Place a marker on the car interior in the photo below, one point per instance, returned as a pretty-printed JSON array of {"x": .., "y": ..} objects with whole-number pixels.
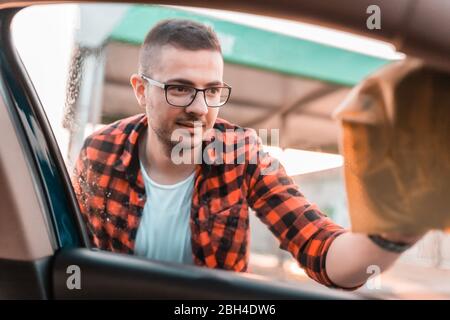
[{"x": 41, "y": 227}]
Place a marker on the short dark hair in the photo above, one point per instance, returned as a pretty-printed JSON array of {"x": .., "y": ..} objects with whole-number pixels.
[{"x": 180, "y": 33}]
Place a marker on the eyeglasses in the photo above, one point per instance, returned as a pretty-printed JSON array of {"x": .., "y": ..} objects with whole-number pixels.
[{"x": 179, "y": 95}]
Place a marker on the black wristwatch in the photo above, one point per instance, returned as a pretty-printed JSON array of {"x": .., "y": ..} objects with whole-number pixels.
[{"x": 397, "y": 247}]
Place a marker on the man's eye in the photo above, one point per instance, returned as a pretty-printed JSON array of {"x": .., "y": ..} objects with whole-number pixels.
[
  {"x": 213, "y": 91},
  {"x": 180, "y": 90}
]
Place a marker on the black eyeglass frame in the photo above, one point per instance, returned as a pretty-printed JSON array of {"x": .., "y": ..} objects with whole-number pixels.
[{"x": 166, "y": 86}]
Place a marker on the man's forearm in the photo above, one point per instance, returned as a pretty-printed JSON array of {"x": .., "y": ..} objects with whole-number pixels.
[{"x": 349, "y": 257}]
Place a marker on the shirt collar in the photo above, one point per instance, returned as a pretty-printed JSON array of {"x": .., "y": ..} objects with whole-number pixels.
[{"x": 131, "y": 134}]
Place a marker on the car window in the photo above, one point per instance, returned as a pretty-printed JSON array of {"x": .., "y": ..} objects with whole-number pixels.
[{"x": 286, "y": 79}]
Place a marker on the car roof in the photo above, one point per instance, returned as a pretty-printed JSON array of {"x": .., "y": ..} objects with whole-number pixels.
[{"x": 419, "y": 28}]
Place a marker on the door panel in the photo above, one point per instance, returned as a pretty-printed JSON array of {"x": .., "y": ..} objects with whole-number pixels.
[
  {"x": 105, "y": 275},
  {"x": 25, "y": 279}
]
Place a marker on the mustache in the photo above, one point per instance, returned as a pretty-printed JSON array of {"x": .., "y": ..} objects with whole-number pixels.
[{"x": 191, "y": 121}]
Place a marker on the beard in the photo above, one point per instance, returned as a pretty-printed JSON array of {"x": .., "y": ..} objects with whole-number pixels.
[
  {"x": 163, "y": 135},
  {"x": 178, "y": 136}
]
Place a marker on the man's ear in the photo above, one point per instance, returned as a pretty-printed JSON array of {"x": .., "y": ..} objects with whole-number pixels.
[{"x": 138, "y": 85}]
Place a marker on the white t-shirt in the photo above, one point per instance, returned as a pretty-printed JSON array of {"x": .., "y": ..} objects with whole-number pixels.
[{"x": 164, "y": 231}]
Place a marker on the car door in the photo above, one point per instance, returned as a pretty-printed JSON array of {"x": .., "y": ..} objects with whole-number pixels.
[{"x": 47, "y": 254}]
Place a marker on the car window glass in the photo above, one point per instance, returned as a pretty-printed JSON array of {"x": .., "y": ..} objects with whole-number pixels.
[{"x": 285, "y": 84}]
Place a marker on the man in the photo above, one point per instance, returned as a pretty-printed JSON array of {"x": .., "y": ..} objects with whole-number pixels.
[{"x": 138, "y": 197}]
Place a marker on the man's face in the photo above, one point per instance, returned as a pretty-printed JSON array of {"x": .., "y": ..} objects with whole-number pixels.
[{"x": 200, "y": 69}]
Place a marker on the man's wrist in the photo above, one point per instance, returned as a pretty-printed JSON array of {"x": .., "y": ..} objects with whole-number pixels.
[{"x": 388, "y": 245}]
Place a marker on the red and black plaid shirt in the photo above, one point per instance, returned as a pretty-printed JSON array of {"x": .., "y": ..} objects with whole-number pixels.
[{"x": 111, "y": 193}]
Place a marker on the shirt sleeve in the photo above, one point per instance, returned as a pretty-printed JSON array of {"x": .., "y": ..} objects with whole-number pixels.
[
  {"x": 84, "y": 190},
  {"x": 300, "y": 226}
]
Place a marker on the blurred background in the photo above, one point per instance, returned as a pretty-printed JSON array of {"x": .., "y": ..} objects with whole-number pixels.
[{"x": 285, "y": 75}]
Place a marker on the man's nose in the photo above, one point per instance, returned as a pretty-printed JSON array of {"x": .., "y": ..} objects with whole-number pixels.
[{"x": 198, "y": 106}]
